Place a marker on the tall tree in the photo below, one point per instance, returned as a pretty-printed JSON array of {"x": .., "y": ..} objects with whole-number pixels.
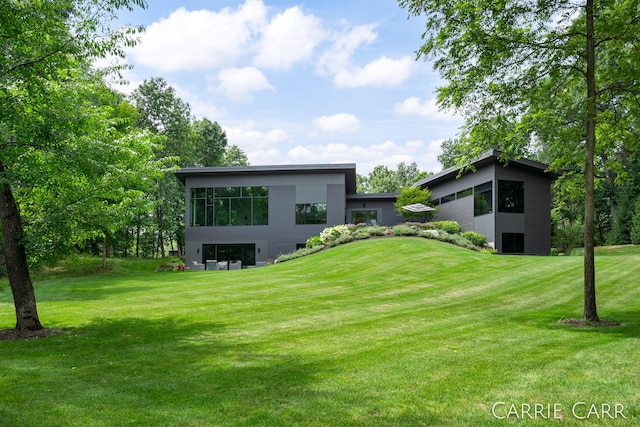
[
  {"x": 163, "y": 113},
  {"x": 210, "y": 143},
  {"x": 502, "y": 60},
  {"x": 234, "y": 156},
  {"x": 43, "y": 112}
]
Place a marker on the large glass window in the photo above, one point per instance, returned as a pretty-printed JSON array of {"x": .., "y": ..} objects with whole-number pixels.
[
  {"x": 231, "y": 253},
  {"x": 511, "y": 196},
  {"x": 198, "y": 207},
  {"x": 369, "y": 217},
  {"x": 512, "y": 243},
  {"x": 223, "y": 206},
  {"x": 311, "y": 213},
  {"x": 483, "y": 199}
]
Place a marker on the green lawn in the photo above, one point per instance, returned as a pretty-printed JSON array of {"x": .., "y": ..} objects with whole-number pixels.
[{"x": 393, "y": 331}]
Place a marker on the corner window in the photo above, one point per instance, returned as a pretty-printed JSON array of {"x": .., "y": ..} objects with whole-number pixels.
[
  {"x": 511, "y": 196},
  {"x": 311, "y": 213},
  {"x": 483, "y": 199}
]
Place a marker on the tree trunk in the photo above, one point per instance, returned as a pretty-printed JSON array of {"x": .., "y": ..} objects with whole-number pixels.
[
  {"x": 16, "y": 258},
  {"x": 105, "y": 252},
  {"x": 590, "y": 312},
  {"x": 137, "y": 241}
]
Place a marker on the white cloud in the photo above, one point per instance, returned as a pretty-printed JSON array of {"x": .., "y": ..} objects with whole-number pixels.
[
  {"x": 366, "y": 157},
  {"x": 238, "y": 83},
  {"x": 338, "y": 56},
  {"x": 381, "y": 72},
  {"x": 200, "y": 108},
  {"x": 251, "y": 140},
  {"x": 340, "y": 122},
  {"x": 415, "y": 107},
  {"x": 289, "y": 38},
  {"x": 200, "y": 40}
]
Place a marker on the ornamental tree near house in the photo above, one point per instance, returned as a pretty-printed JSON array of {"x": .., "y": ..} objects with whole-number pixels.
[
  {"x": 548, "y": 73},
  {"x": 47, "y": 117}
]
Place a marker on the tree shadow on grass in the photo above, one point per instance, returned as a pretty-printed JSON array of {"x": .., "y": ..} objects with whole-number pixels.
[
  {"x": 96, "y": 291},
  {"x": 176, "y": 372},
  {"x": 151, "y": 372}
]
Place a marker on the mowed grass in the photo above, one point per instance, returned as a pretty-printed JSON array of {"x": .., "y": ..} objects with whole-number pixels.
[{"x": 396, "y": 331}]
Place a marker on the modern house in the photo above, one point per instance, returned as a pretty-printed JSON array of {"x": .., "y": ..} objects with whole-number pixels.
[
  {"x": 256, "y": 213},
  {"x": 509, "y": 203}
]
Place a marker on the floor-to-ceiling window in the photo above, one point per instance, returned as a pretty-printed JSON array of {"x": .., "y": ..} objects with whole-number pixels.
[{"x": 229, "y": 206}]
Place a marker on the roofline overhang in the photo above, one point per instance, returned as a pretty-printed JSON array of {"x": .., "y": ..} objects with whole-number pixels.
[
  {"x": 348, "y": 169},
  {"x": 486, "y": 158}
]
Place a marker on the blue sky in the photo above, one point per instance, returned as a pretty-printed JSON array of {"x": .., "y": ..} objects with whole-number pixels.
[{"x": 295, "y": 82}]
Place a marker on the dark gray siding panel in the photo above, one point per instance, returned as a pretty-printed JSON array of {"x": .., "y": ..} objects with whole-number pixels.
[
  {"x": 336, "y": 200},
  {"x": 460, "y": 210},
  {"x": 282, "y": 205},
  {"x": 536, "y": 219}
]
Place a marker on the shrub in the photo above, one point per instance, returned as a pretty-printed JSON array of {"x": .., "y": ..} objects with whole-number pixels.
[
  {"x": 314, "y": 241},
  {"x": 404, "y": 230},
  {"x": 451, "y": 227},
  {"x": 330, "y": 234},
  {"x": 429, "y": 234},
  {"x": 377, "y": 230},
  {"x": 299, "y": 253},
  {"x": 345, "y": 238},
  {"x": 361, "y": 234},
  {"x": 475, "y": 238}
]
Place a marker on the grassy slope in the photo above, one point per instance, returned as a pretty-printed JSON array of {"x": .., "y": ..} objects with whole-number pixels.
[{"x": 401, "y": 331}]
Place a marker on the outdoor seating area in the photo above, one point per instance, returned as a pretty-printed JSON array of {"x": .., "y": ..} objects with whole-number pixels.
[{"x": 212, "y": 265}]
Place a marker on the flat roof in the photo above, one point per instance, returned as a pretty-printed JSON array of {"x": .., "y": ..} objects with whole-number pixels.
[
  {"x": 348, "y": 169},
  {"x": 487, "y": 158}
]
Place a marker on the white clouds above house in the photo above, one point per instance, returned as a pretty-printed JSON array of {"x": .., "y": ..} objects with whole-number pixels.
[{"x": 281, "y": 75}]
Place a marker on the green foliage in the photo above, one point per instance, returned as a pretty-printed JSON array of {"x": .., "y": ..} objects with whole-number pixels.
[
  {"x": 342, "y": 239},
  {"x": 475, "y": 238},
  {"x": 71, "y": 152},
  {"x": 409, "y": 196},
  {"x": 568, "y": 237},
  {"x": 314, "y": 241},
  {"x": 404, "y": 230},
  {"x": 299, "y": 253},
  {"x": 384, "y": 180},
  {"x": 635, "y": 224},
  {"x": 331, "y": 234},
  {"x": 361, "y": 234},
  {"x": 376, "y": 230},
  {"x": 451, "y": 227},
  {"x": 210, "y": 143},
  {"x": 234, "y": 156}
]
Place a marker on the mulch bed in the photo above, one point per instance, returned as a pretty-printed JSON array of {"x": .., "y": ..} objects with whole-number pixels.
[
  {"x": 14, "y": 334},
  {"x": 583, "y": 322}
]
